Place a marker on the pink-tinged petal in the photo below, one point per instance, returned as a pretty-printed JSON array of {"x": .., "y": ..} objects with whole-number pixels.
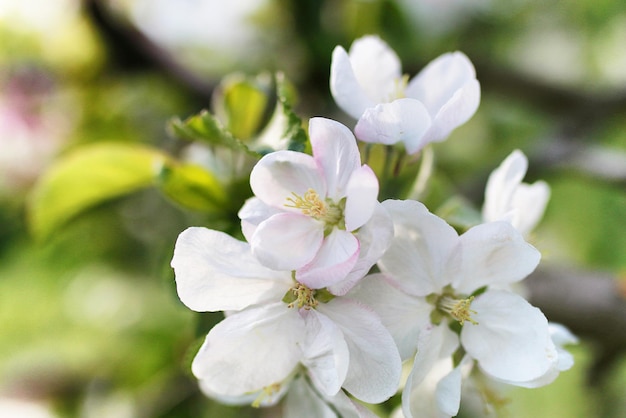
[
  {"x": 511, "y": 341},
  {"x": 375, "y": 365},
  {"x": 494, "y": 253},
  {"x": 325, "y": 352},
  {"x": 278, "y": 175},
  {"x": 501, "y": 186},
  {"x": 334, "y": 260},
  {"x": 336, "y": 153},
  {"x": 344, "y": 86},
  {"x": 422, "y": 250},
  {"x": 374, "y": 239},
  {"x": 402, "y": 314},
  {"x": 376, "y": 67},
  {"x": 361, "y": 197},
  {"x": 433, "y": 362},
  {"x": 250, "y": 350},
  {"x": 529, "y": 203},
  {"x": 287, "y": 241},
  {"x": 252, "y": 213},
  {"x": 437, "y": 83},
  {"x": 403, "y": 120},
  {"x": 215, "y": 272},
  {"x": 458, "y": 110}
]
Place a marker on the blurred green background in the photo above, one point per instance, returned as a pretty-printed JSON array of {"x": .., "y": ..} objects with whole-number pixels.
[{"x": 90, "y": 324}]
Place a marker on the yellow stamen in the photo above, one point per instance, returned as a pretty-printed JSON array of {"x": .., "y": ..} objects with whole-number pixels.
[
  {"x": 459, "y": 309},
  {"x": 304, "y": 297},
  {"x": 399, "y": 88},
  {"x": 310, "y": 204},
  {"x": 265, "y": 393}
]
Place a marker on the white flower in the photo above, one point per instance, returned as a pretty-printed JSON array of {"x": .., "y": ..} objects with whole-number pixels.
[
  {"x": 367, "y": 83},
  {"x": 277, "y": 329},
  {"x": 434, "y": 280},
  {"x": 508, "y": 199},
  {"x": 313, "y": 214}
]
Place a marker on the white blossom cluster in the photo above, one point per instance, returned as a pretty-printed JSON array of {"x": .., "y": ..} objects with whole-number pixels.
[{"x": 333, "y": 290}]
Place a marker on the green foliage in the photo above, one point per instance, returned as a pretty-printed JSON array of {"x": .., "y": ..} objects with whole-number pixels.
[
  {"x": 243, "y": 102},
  {"x": 192, "y": 186},
  {"x": 205, "y": 127},
  {"x": 294, "y": 132},
  {"x": 86, "y": 177}
]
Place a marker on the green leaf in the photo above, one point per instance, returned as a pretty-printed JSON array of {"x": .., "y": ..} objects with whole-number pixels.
[
  {"x": 206, "y": 128},
  {"x": 86, "y": 177},
  {"x": 193, "y": 187},
  {"x": 243, "y": 102},
  {"x": 294, "y": 133}
]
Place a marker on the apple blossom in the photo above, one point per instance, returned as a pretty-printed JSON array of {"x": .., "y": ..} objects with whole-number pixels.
[
  {"x": 434, "y": 281},
  {"x": 312, "y": 214},
  {"x": 507, "y": 198},
  {"x": 367, "y": 83},
  {"x": 277, "y": 329}
]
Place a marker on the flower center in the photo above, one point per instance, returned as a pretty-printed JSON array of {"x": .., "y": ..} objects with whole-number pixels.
[
  {"x": 399, "y": 88},
  {"x": 266, "y": 392},
  {"x": 312, "y": 205},
  {"x": 458, "y": 309},
  {"x": 300, "y": 296}
]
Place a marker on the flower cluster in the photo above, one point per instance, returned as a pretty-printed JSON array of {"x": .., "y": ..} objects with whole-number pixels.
[{"x": 332, "y": 290}]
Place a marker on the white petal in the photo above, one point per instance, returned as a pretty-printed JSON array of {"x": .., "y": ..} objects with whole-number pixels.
[
  {"x": 344, "y": 86},
  {"x": 250, "y": 350},
  {"x": 448, "y": 390},
  {"x": 458, "y": 110},
  {"x": 440, "y": 80},
  {"x": 302, "y": 400},
  {"x": 494, "y": 253},
  {"x": 433, "y": 362},
  {"x": 334, "y": 260},
  {"x": 264, "y": 398},
  {"x": 402, "y": 314},
  {"x": 278, "y": 175},
  {"x": 375, "y": 366},
  {"x": 403, "y": 120},
  {"x": 336, "y": 153},
  {"x": 501, "y": 186},
  {"x": 301, "y": 397},
  {"x": 511, "y": 341},
  {"x": 560, "y": 336},
  {"x": 214, "y": 272},
  {"x": 287, "y": 241},
  {"x": 252, "y": 213},
  {"x": 361, "y": 197},
  {"x": 376, "y": 67},
  {"x": 325, "y": 352},
  {"x": 374, "y": 239},
  {"x": 422, "y": 248},
  {"x": 529, "y": 203}
]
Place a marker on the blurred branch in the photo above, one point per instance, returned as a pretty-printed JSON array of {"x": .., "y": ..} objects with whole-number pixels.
[
  {"x": 131, "y": 50},
  {"x": 591, "y": 304}
]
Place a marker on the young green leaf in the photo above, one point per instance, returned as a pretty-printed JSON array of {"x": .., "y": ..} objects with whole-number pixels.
[
  {"x": 193, "y": 187},
  {"x": 86, "y": 177}
]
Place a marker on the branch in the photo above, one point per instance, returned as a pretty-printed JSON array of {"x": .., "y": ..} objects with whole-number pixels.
[{"x": 130, "y": 50}]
